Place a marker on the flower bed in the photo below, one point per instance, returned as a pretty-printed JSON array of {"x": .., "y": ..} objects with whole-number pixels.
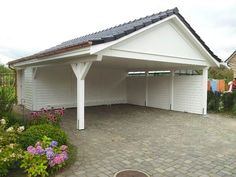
[
  {"x": 42, "y": 149},
  {"x": 51, "y": 116}
]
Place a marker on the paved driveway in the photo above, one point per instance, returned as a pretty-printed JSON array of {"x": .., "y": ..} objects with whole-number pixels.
[{"x": 159, "y": 142}]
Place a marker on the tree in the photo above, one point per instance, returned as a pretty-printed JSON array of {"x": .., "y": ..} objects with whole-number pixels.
[{"x": 221, "y": 73}]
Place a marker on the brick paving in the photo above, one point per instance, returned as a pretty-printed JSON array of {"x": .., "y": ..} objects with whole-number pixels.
[{"x": 159, "y": 142}]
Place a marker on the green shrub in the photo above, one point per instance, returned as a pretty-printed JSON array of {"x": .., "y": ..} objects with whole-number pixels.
[
  {"x": 37, "y": 132},
  {"x": 215, "y": 101},
  {"x": 7, "y": 99},
  {"x": 14, "y": 119},
  {"x": 228, "y": 101}
]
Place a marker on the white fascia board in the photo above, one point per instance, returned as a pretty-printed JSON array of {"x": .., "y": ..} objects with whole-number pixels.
[
  {"x": 196, "y": 41},
  {"x": 79, "y": 52},
  {"x": 95, "y": 49},
  {"x": 153, "y": 57}
]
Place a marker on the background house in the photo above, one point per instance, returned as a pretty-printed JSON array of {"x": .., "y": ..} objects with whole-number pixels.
[{"x": 231, "y": 61}]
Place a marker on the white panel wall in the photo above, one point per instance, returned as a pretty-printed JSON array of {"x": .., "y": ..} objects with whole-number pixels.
[
  {"x": 136, "y": 90},
  {"x": 164, "y": 39},
  {"x": 188, "y": 94},
  {"x": 56, "y": 86},
  {"x": 53, "y": 87},
  {"x": 27, "y": 89},
  {"x": 105, "y": 86},
  {"x": 158, "y": 94}
]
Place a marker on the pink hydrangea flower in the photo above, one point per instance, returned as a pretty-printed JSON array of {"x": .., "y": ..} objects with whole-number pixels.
[
  {"x": 31, "y": 150},
  {"x": 64, "y": 147},
  {"x": 58, "y": 159}
]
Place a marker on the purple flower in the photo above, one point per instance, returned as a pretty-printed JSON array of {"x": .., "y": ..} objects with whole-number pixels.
[
  {"x": 49, "y": 153},
  {"x": 65, "y": 155},
  {"x": 31, "y": 150},
  {"x": 54, "y": 143},
  {"x": 39, "y": 150}
]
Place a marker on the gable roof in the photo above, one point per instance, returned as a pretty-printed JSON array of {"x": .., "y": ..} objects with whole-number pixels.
[
  {"x": 230, "y": 57},
  {"x": 115, "y": 33}
]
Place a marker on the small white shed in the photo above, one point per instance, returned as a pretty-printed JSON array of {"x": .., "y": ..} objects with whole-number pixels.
[{"x": 101, "y": 68}]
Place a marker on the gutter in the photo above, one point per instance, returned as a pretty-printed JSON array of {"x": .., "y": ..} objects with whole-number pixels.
[
  {"x": 225, "y": 65},
  {"x": 43, "y": 54}
]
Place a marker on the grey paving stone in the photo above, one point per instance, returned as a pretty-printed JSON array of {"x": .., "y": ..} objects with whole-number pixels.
[{"x": 160, "y": 142}]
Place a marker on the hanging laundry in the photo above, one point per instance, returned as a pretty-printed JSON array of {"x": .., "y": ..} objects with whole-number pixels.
[
  {"x": 214, "y": 85},
  {"x": 208, "y": 85},
  {"x": 221, "y": 85}
]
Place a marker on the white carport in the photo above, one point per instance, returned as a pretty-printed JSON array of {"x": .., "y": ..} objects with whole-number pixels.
[{"x": 98, "y": 74}]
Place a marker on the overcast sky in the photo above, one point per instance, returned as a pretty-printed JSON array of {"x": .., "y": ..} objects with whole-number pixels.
[{"x": 28, "y": 26}]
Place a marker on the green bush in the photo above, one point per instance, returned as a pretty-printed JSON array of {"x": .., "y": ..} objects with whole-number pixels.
[
  {"x": 228, "y": 101},
  {"x": 217, "y": 101},
  {"x": 7, "y": 99},
  {"x": 214, "y": 101},
  {"x": 14, "y": 119},
  {"x": 37, "y": 132}
]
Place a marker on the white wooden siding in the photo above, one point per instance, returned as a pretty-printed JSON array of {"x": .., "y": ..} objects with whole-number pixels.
[
  {"x": 165, "y": 39},
  {"x": 27, "y": 89},
  {"x": 105, "y": 86},
  {"x": 53, "y": 87},
  {"x": 158, "y": 92},
  {"x": 56, "y": 87},
  {"x": 188, "y": 94},
  {"x": 136, "y": 90}
]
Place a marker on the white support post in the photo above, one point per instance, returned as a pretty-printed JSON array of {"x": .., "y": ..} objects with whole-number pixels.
[
  {"x": 204, "y": 90},
  {"x": 80, "y": 104},
  {"x": 146, "y": 88},
  {"x": 172, "y": 77},
  {"x": 35, "y": 72},
  {"x": 80, "y": 70}
]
